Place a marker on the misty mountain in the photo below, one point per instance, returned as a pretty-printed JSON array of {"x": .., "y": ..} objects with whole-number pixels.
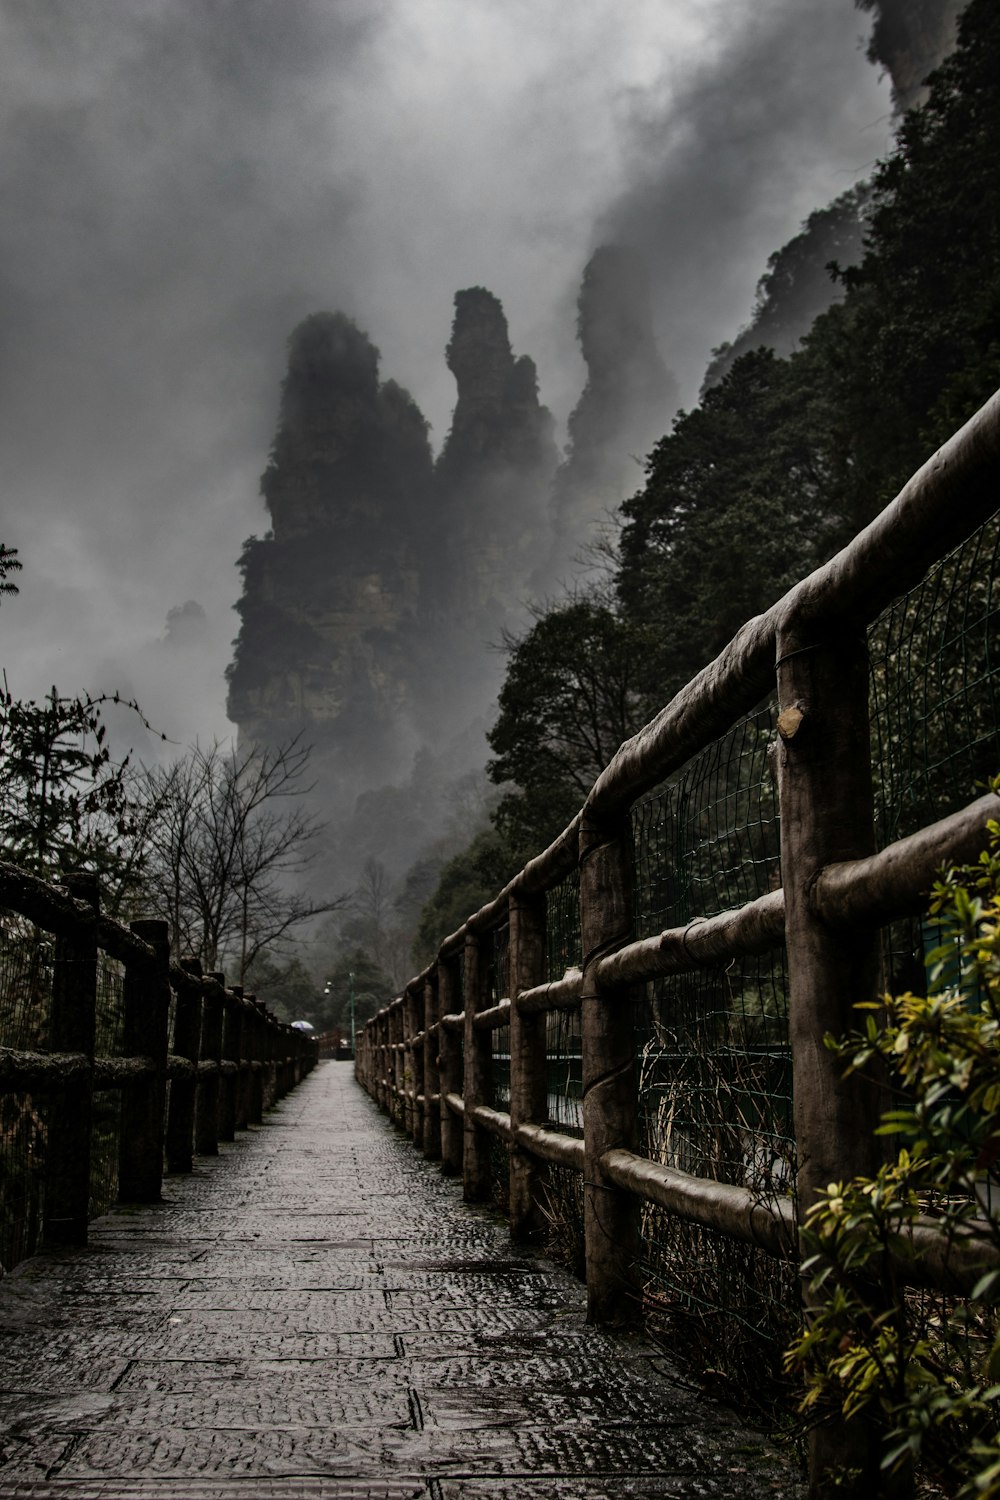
[
  {"x": 627, "y": 403},
  {"x": 909, "y": 39},
  {"x": 797, "y": 285},
  {"x": 331, "y": 593},
  {"x": 496, "y": 464}
]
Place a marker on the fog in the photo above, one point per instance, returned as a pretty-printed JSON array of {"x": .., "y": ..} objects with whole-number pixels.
[{"x": 183, "y": 181}]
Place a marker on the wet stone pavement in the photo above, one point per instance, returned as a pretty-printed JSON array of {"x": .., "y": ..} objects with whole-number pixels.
[{"x": 315, "y": 1313}]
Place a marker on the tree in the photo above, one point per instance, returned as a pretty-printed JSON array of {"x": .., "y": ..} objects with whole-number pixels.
[
  {"x": 226, "y": 848},
  {"x": 736, "y": 506},
  {"x": 287, "y": 988},
  {"x": 466, "y": 883},
  {"x": 9, "y": 563},
  {"x": 568, "y": 701},
  {"x": 64, "y": 799},
  {"x": 355, "y": 982}
]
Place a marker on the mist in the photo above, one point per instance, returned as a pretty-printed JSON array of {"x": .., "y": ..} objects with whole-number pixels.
[{"x": 183, "y": 183}]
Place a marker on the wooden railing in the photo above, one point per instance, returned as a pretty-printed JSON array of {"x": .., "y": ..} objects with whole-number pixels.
[
  {"x": 183, "y": 1088},
  {"x": 810, "y": 650}
]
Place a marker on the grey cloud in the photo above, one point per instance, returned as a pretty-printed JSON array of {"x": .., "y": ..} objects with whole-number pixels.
[
  {"x": 778, "y": 121},
  {"x": 184, "y": 180}
]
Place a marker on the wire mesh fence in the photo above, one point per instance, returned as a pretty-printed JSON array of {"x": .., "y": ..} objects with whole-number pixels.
[
  {"x": 23, "y": 1136},
  {"x": 564, "y": 1070},
  {"x": 26, "y": 969},
  {"x": 935, "y": 690},
  {"x": 709, "y": 839},
  {"x": 562, "y": 927},
  {"x": 27, "y": 955}
]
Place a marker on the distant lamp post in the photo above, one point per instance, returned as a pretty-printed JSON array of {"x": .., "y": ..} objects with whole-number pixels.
[{"x": 351, "y": 978}]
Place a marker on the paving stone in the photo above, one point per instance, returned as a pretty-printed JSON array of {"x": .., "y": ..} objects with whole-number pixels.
[{"x": 315, "y": 1315}]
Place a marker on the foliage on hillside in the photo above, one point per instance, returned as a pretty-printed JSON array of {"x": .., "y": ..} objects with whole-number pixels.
[{"x": 786, "y": 458}]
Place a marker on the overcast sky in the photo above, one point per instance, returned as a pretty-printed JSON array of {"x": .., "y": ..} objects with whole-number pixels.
[{"x": 183, "y": 180}]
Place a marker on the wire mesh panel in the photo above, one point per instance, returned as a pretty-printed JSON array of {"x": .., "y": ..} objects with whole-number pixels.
[
  {"x": 105, "y": 1136},
  {"x": 499, "y": 989},
  {"x": 109, "y": 1038},
  {"x": 713, "y": 1058},
  {"x": 715, "y": 1100},
  {"x": 562, "y": 1205},
  {"x": 26, "y": 959},
  {"x": 497, "y": 944},
  {"x": 23, "y": 1137},
  {"x": 709, "y": 840},
  {"x": 564, "y": 1070},
  {"x": 728, "y": 1309},
  {"x": 715, "y": 1079},
  {"x": 562, "y": 927},
  {"x": 106, "y": 1109},
  {"x": 935, "y": 693}
]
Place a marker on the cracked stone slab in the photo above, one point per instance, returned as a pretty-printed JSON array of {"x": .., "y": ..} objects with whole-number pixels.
[{"x": 316, "y": 1315}]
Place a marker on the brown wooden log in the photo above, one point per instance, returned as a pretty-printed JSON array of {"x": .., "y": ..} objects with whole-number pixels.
[
  {"x": 397, "y": 1068},
  {"x": 824, "y": 775},
  {"x": 432, "y": 1072},
  {"x": 72, "y": 1029},
  {"x": 229, "y": 1078},
  {"x": 41, "y": 1071},
  {"x": 477, "y": 1184},
  {"x": 183, "y": 1090},
  {"x": 735, "y": 1211},
  {"x": 241, "y": 1023},
  {"x": 450, "y": 1070},
  {"x": 494, "y": 1017},
  {"x": 528, "y": 1088},
  {"x": 118, "y": 942},
  {"x": 208, "y": 1103},
  {"x": 558, "y": 994},
  {"x": 611, "y": 1216},
  {"x": 898, "y": 880},
  {"x": 415, "y": 1013},
  {"x": 707, "y": 942},
  {"x": 255, "y": 1111},
  {"x": 57, "y": 911},
  {"x": 494, "y": 1121},
  {"x": 551, "y": 1145},
  {"x": 119, "y": 1072},
  {"x": 147, "y": 1009}
]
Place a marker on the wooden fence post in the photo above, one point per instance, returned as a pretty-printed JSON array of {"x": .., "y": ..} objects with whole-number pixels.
[
  {"x": 147, "y": 1013},
  {"x": 528, "y": 1083},
  {"x": 432, "y": 1076},
  {"x": 183, "y": 1090},
  {"x": 72, "y": 1029},
  {"x": 406, "y": 1039},
  {"x": 415, "y": 1006},
  {"x": 229, "y": 1082},
  {"x": 254, "y": 1050},
  {"x": 476, "y": 1089},
  {"x": 207, "y": 1108},
  {"x": 397, "y": 1072},
  {"x": 267, "y": 1047},
  {"x": 825, "y": 799},
  {"x": 242, "y": 1034},
  {"x": 451, "y": 1072},
  {"x": 610, "y": 1215}
]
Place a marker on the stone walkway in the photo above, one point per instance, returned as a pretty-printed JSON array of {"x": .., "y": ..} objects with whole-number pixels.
[{"x": 316, "y": 1313}]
